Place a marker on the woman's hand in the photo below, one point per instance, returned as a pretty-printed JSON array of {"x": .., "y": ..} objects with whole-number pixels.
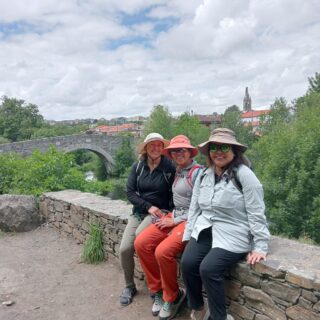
[
  {"x": 255, "y": 256},
  {"x": 155, "y": 212},
  {"x": 165, "y": 222}
]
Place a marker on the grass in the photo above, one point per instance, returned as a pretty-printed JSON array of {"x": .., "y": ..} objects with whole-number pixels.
[{"x": 93, "y": 248}]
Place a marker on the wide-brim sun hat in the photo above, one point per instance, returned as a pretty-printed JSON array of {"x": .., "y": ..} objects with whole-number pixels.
[
  {"x": 222, "y": 136},
  {"x": 152, "y": 137},
  {"x": 179, "y": 142}
]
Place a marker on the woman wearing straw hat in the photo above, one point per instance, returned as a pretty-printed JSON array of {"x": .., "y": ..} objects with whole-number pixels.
[
  {"x": 226, "y": 223},
  {"x": 149, "y": 190},
  {"x": 159, "y": 244}
]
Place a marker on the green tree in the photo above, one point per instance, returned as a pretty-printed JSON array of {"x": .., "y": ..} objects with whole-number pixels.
[
  {"x": 18, "y": 120},
  {"x": 191, "y": 127},
  {"x": 279, "y": 112},
  {"x": 124, "y": 157},
  {"x": 287, "y": 160},
  {"x": 232, "y": 120},
  {"x": 160, "y": 121},
  {"x": 314, "y": 83},
  {"x": 47, "y": 130}
]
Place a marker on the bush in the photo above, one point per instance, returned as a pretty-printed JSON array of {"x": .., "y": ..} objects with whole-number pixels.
[
  {"x": 118, "y": 189},
  {"x": 93, "y": 249}
]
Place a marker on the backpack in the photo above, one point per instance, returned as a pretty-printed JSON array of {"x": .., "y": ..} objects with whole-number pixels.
[{"x": 190, "y": 178}]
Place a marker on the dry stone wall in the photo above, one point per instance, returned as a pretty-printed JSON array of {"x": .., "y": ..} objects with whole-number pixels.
[{"x": 285, "y": 287}]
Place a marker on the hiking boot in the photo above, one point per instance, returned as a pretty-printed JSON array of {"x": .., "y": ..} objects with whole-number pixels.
[
  {"x": 202, "y": 314},
  {"x": 157, "y": 303},
  {"x": 127, "y": 295},
  {"x": 170, "y": 309}
]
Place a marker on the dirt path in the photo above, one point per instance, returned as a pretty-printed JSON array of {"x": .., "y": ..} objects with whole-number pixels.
[{"x": 41, "y": 273}]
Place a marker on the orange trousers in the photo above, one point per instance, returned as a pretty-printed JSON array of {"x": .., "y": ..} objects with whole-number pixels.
[{"x": 157, "y": 251}]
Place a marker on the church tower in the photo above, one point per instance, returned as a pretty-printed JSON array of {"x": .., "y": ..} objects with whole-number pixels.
[{"x": 247, "y": 101}]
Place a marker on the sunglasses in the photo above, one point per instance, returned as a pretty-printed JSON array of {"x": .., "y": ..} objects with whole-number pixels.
[
  {"x": 181, "y": 150},
  {"x": 222, "y": 147}
]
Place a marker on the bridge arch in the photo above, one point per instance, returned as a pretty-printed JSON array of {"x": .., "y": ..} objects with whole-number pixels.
[
  {"x": 107, "y": 158},
  {"x": 103, "y": 145}
]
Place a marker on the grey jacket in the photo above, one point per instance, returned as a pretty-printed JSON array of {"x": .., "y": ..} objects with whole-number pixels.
[{"x": 237, "y": 219}]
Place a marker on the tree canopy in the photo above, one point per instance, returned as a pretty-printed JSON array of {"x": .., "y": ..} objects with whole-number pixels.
[{"x": 18, "y": 120}]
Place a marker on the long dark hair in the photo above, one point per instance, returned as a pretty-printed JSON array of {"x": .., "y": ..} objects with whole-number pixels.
[{"x": 238, "y": 159}]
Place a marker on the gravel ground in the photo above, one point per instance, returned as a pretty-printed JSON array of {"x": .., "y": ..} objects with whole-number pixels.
[{"x": 41, "y": 273}]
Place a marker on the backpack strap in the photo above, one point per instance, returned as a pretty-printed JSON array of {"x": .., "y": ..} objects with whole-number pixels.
[
  {"x": 235, "y": 180},
  {"x": 139, "y": 173},
  {"x": 191, "y": 179}
]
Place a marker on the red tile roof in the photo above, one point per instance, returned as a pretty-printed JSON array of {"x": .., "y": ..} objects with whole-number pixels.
[{"x": 254, "y": 113}]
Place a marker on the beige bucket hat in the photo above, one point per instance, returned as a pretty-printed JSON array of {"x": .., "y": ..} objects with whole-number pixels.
[
  {"x": 221, "y": 135},
  {"x": 152, "y": 137}
]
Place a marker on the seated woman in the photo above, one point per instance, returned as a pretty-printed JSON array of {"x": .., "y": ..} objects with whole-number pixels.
[
  {"x": 160, "y": 243},
  {"x": 149, "y": 190},
  {"x": 226, "y": 223}
]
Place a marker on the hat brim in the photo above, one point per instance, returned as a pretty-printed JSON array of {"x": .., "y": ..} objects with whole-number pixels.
[
  {"x": 204, "y": 147},
  {"x": 194, "y": 151},
  {"x": 142, "y": 146}
]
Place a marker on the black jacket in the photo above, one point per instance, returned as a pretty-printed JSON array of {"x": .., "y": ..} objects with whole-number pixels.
[{"x": 146, "y": 189}]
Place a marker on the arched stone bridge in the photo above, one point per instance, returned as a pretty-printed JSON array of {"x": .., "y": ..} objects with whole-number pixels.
[{"x": 103, "y": 145}]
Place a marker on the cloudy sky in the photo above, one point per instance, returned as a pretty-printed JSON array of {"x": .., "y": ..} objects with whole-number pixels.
[{"x": 110, "y": 58}]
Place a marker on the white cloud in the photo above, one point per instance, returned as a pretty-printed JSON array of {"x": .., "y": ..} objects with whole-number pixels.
[{"x": 98, "y": 58}]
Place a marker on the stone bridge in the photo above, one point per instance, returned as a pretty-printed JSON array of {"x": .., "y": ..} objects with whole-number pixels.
[{"x": 103, "y": 145}]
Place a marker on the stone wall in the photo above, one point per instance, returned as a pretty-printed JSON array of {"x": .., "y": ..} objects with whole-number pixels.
[{"x": 286, "y": 286}]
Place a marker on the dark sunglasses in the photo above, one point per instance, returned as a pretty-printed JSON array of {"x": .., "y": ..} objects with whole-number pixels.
[
  {"x": 222, "y": 147},
  {"x": 181, "y": 150}
]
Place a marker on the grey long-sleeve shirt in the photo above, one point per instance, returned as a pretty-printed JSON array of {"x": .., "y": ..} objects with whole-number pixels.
[
  {"x": 237, "y": 219},
  {"x": 182, "y": 190}
]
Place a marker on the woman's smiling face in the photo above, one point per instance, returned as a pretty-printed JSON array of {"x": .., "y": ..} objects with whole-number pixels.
[
  {"x": 221, "y": 159},
  {"x": 154, "y": 149}
]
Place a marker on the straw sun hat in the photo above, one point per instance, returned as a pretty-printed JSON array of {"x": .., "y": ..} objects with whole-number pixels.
[
  {"x": 151, "y": 137},
  {"x": 221, "y": 135}
]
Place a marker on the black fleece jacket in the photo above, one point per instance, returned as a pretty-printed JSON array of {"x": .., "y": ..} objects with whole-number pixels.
[{"x": 146, "y": 189}]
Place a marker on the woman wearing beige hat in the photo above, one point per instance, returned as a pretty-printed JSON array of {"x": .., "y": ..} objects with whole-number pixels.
[
  {"x": 226, "y": 223},
  {"x": 149, "y": 190},
  {"x": 158, "y": 245}
]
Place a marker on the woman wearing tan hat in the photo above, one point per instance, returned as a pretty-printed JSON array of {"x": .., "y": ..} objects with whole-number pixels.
[
  {"x": 226, "y": 223},
  {"x": 159, "y": 244},
  {"x": 149, "y": 190}
]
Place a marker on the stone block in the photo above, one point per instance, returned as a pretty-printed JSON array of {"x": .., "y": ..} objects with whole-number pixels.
[
  {"x": 56, "y": 224},
  {"x": 78, "y": 236},
  {"x": 305, "y": 303},
  {"x": 301, "y": 278},
  {"x": 58, "y": 216},
  {"x": 317, "y": 306},
  {"x": 299, "y": 313},
  {"x": 232, "y": 289},
  {"x": 259, "y": 300},
  {"x": 269, "y": 267},
  {"x": 85, "y": 226},
  {"x": 66, "y": 228},
  {"x": 76, "y": 219},
  {"x": 261, "y": 317},
  {"x": 281, "y": 303},
  {"x": 243, "y": 273},
  {"x": 43, "y": 208},
  {"x": 281, "y": 290},
  {"x": 242, "y": 311},
  {"x": 59, "y": 206},
  {"x": 19, "y": 213}
]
